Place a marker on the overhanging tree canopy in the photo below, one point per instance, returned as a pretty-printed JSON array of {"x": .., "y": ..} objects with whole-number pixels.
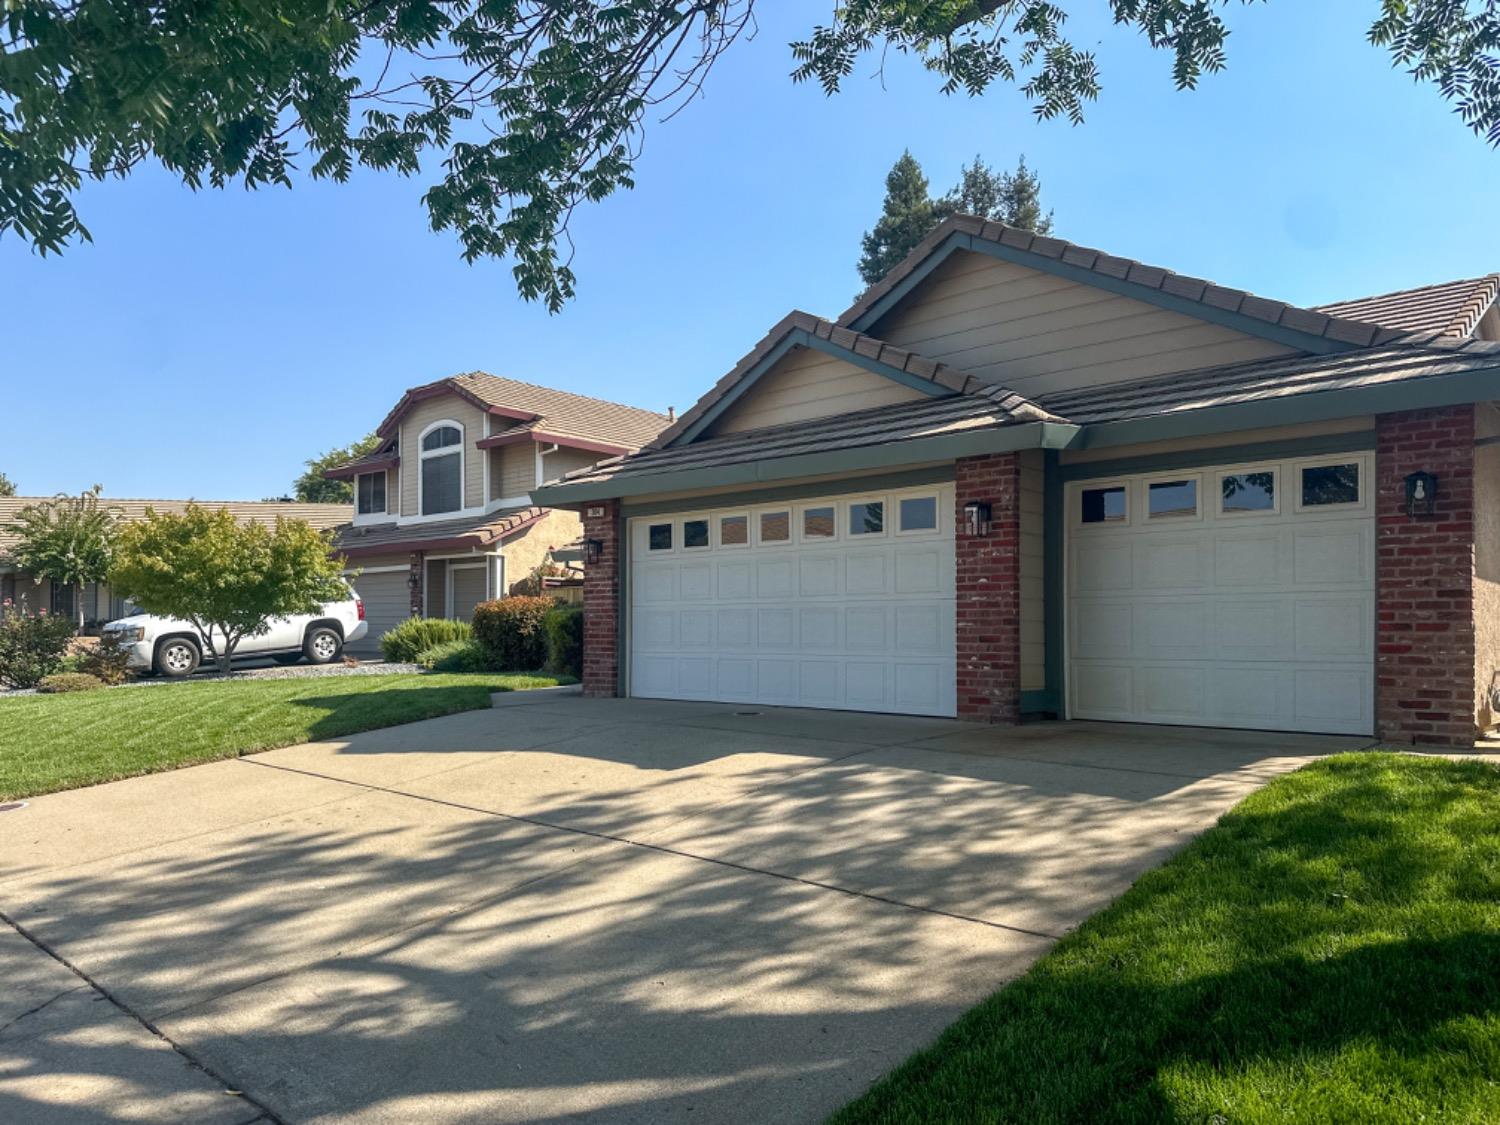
[{"x": 535, "y": 105}]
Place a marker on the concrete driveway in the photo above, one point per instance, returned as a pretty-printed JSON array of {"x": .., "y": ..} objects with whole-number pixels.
[{"x": 567, "y": 909}]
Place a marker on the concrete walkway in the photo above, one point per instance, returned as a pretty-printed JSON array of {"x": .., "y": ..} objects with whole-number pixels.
[{"x": 567, "y": 910}]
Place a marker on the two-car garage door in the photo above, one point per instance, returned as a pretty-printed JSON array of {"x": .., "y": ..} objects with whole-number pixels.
[
  {"x": 843, "y": 602},
  {"x": 1236, "y": 596}
]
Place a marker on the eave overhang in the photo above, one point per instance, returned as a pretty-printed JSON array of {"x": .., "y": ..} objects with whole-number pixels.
[
  {"x": 355, "y": 468},
  {"x": 544, "y": 437}
]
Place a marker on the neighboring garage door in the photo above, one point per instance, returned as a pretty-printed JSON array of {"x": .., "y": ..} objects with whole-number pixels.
[
  {"x": 1237, "y": 596},
  {"x": 387, "y": 601},
  {"x": 840, "y": 602}
]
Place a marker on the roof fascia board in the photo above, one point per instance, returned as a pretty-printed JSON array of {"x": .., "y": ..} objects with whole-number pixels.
[
  {"x": 801, "y": 337},
  {"x": 994, "y": 439},
  {"x": 958, "y": 240},
  {"x": 1319, "y": 406},
  {"x": 354, "y": 469}
]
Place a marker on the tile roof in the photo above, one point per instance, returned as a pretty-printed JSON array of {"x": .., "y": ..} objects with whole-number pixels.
[
  {"x": 321, "y": 516},
  {"x": 543, "y": 408},
  {"x": 471, "y": 531},
  {"x": 983, "y": 408},
  {"x": 1262, "y": 380},
  {"x": 1452, "y": 308},
  {"x": 1312, "y": 322},
  {"x": 948, "y": 378}
]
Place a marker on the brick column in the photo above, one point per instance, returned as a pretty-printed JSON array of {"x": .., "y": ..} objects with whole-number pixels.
[
  {"x": 1424, "y": 580},
  {"x": 989, "y": 590},
  {"x": 419, "y": 572},
  {"x": 601, "y": 601}
]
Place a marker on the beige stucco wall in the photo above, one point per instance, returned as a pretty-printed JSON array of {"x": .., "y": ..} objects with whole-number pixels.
[
  {"x": 419, "y": 418},
  {"x": 1489, "y": 326},
  {"x": 525, "y": 552},
  {"x": 1033, "y": 627},
  {"x": 565, "y": 460},
  {"x": 1486, "y": 563},
  {"x": 807, "y": 384},
  {"x": 1034, "y": 332}
]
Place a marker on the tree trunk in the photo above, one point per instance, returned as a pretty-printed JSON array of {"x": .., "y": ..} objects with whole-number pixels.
[{"x": 78, "y": 606}]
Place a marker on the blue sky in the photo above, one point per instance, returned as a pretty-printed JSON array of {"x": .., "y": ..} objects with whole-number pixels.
[{"x": 206, "y": 344}]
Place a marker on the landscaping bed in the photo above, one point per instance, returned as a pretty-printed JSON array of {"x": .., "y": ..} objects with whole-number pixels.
[
  {"x": 1329, "y": 952},
  {"x": 53, "y": 742}
]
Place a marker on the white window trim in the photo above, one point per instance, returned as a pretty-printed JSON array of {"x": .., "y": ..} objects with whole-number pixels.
[
  {"x": 775, "y": 510},
  {"x": 1075, "y": 505},
  {"x": 1168, "y": 478},
  {"x": 1278, "y": 487},
  {"x": 885, "y": 518},
  {"x": 373, "y": 517},
  {"x": 682, "y": 530},
  {"x": 801, "y": 534},
  {"x": 648, "y": 523},
  {"x": 1361, "y": 463},
  {"x": 445, "y": 451},
  {"x": 933, "y": 494},
  {"x": 718, "y": 531}
]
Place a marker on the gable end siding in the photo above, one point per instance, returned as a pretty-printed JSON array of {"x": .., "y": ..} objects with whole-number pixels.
[
  {"x": 1036, "y": 333},
  {"x": 807, "y": 384},
  {"x": 424, "y": 414}
]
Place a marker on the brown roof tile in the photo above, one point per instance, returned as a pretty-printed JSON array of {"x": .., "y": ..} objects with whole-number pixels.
[
  {"x": 1452, "y": 308},
  {"x": 472, "y": 531}
]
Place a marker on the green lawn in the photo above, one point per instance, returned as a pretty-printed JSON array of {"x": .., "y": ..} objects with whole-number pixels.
[
  {"x": 52, "y": 742},
  {"x": 1329, "y": 953}
]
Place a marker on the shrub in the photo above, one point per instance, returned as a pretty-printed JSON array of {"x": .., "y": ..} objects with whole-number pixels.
[
  {"x": 415, "y": 635},
  {"x": 511, "y": 631},
  {"x": 564, "y": 627},
  {"x": 107, "y": 660},
  {"x": 69, "y": 681},
  {"x": 31, "y": 645},
  {"x": 457, "y": 656}
]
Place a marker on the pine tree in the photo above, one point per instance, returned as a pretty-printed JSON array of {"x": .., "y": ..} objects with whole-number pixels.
[
  {"x": 1013, "y": 198},
  {"x": 908, "y": 214},
  {"x": 1021, "y": 201},
  {"x": 6, "y": 487}
]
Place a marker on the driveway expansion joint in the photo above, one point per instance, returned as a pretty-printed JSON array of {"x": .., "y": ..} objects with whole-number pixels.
[{"x": 261, "y": 1111}]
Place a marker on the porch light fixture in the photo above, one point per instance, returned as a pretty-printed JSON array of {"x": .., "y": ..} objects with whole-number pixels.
[
  {"x": 977, "y": 517},
  {"x": 414, "y": 580},
  {"x": 593, "y": 550},
  {"x": 1421, "y": 494}
]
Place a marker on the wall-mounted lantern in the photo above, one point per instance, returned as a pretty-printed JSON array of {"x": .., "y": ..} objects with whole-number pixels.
[
  {"x": 1421, "y": 494},
  {"x": 593, "y": 551},
  {"x": 977, "y": 517},
  {"x": 414, "y": 579}
]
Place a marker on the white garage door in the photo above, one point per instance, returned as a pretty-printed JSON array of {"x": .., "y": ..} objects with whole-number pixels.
[
  {"x": 387, "y": 601},
  {"x": 1237, "y": 596},
  {"x": 841, "y": 602}
]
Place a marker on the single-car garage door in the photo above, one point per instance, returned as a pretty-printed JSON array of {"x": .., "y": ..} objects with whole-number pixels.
[
  {"x": 1237, "y": 595},
  {"x": 841, "y": 602},
  {"x": 387, "y": 599}
]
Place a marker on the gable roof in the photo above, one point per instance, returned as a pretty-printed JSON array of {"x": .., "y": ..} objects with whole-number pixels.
[
  {"x": 803, "y": 329},
  {"x": 560, "y": 413},
  {"x": 1450, "y": 308},
  {"x": 320, "y": 516},
  {"x": 1304, "y": 328}
]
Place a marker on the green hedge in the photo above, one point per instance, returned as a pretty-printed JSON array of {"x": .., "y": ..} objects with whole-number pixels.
[
  {"x": 564, "y": 628},
  {"x": 457, "y": 656},
  {"x": 511, "y": 631},
  {"x": 415, "y": 635}
]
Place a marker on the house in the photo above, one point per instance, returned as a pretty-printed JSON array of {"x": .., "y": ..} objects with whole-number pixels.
[
  {"x": 100, "y": 604},
  {"x": 1023, "y": 477},
  {"x": 443, "y": 518}
]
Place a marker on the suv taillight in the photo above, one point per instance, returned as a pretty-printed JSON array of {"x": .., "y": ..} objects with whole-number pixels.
[{"x": 359, "y": 608}]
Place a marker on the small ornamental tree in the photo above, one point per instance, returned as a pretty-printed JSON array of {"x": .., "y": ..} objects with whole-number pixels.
[
  {"x": 229, "y": 579},
  {"x": 68, "y": 539}
]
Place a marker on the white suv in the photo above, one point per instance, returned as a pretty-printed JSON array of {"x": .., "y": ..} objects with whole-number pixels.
[{"x": 175, "y": 648}]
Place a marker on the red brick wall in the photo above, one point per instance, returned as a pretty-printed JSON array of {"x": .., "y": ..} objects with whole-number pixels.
[
  {"x": 418, "y": 571},
  {"x": 989, "y": 590},
  {"x": 1424, "y": 578},
  {"x": 601, "y": 601}
]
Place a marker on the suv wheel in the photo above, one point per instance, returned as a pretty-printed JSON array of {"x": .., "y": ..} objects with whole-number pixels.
[
  {"x": 322, "y": 645},
  {"x": 177, "y": 658}
]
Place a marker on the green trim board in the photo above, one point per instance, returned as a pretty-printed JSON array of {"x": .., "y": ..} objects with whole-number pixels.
[
  {"x": 794, "y": 338},
  {"x": 917, "y": 451},
  {"x": 958, "y": 240},
  {"x": 1042, "y": 702},
  {"x": 1053, "y": 514},
  {"x": 1311, "y": 446},
  {"x": 880, "y": 482}
]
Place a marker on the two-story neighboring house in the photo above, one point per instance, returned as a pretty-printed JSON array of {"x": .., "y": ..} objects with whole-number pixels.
[
  {"x": 443, "y": 518},
  {"x": 1022, "y": 476}
]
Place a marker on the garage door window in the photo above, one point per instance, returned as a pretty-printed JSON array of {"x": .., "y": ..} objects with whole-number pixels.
[
  {"x": 775, "y": 527},
  {"x": 1171, "y": 499},
  {"x": 1326, "y": 485},
  {"x": 659, "y": 537},
  {"x": 1104, "y": 505},
  {"x": 734, "y": 531},
  {"x": 817, "y": 523},
  {"x": 867, "y": 518},
  {"x": 919, "y": 513},
  {"x": 1247, "y": 492},
  {"x": 694, "y": 534}
]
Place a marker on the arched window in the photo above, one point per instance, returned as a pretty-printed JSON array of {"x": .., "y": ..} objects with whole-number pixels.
[{"x": 441, "y": 473}]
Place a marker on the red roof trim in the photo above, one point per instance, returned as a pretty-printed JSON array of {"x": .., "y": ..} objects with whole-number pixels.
[
  {"x": 514, "y": 437},
  {"x": 355, "y": 468},
  {"x": 437, "y": 390}
]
